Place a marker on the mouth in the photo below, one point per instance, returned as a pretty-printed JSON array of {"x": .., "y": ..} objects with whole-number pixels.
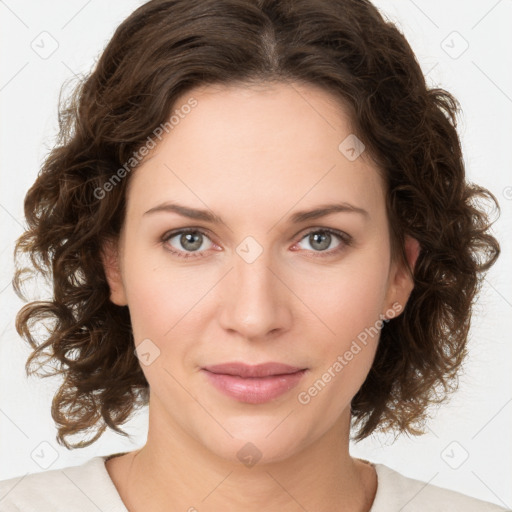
[
  {"x": 260, "y": 370},
  {"x": 254, "y": 384}
]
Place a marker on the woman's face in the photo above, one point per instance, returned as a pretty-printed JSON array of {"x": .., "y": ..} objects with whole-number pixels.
[{"x": 264, "y": 284}]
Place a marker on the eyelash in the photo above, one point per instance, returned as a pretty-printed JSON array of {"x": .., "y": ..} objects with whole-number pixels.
[{"x": 344, "y": 238}]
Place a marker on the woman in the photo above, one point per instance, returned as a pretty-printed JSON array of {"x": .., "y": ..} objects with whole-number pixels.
[{"x": 257, "y": 223}]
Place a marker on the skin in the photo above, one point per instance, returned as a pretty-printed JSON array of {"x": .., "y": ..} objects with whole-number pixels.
[{"x": 253, "y": 156}]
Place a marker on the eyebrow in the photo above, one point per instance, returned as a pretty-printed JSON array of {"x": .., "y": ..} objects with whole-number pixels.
[{"x": 296, "y": 218}]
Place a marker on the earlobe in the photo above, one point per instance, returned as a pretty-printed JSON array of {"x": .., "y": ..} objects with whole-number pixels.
[{"x": 111, "y": 265}]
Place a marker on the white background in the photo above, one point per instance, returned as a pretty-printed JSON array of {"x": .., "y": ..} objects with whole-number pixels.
[{"x": 476, "y": 423}]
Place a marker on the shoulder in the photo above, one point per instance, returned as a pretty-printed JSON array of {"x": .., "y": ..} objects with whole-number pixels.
[
  {"x": 398, "y": 492},
  {"x": 83, "y": 488}
]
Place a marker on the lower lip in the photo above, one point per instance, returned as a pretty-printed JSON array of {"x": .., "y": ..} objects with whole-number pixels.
[{"x": 254, "y": 390}]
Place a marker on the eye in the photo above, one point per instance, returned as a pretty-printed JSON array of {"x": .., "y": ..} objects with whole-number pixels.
[
  {"x": 188, "y": 242},
  {"x": 320, "y": 239}
]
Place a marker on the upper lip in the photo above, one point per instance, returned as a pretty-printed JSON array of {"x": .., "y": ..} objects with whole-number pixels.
[{"x": 259, "y": 370}]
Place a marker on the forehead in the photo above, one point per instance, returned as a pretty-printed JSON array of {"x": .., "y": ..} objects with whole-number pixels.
[{"x": 254, "y": 148}]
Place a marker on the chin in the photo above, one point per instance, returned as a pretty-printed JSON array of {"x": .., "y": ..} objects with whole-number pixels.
[{"x": 257, "y": 441}]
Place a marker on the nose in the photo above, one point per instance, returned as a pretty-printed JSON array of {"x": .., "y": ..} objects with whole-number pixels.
[{"x": 256, "y": 301}]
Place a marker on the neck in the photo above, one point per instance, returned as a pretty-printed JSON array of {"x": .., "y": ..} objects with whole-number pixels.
[{"x": 173, "y": 472}]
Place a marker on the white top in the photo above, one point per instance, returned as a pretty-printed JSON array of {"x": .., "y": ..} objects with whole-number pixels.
[{"x": 89, "y": 488}]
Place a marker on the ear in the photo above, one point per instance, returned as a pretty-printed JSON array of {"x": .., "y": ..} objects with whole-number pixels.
[
  {"x": 110, "y": 256},
  {"x": 401, "y": 282}
]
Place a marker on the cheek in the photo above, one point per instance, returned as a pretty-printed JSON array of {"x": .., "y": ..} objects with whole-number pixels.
[
  {"x": 160, "y": 296},
  {"x": 349, "y": 299},
  {"x": 350, "y": 307},
  {"x": 150, "y": 311}
]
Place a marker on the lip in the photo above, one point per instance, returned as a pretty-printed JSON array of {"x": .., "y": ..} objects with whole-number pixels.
[
  {"x": 247, "y": 370},
  {"x": 254, "y": 384}
]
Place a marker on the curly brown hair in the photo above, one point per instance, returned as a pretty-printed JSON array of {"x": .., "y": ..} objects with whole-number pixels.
[{"x": 168, "y": 47}]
